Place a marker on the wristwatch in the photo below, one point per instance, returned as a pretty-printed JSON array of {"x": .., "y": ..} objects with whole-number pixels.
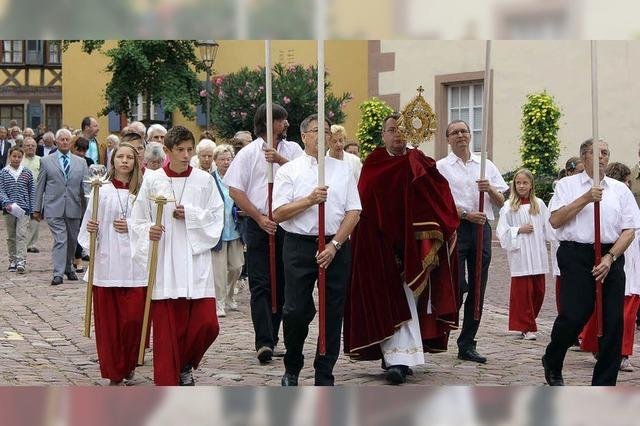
[
  {"x": 464, "y": 215},
  {"x": 613, "y": 256},
  {"x": 336, "y": 244}
]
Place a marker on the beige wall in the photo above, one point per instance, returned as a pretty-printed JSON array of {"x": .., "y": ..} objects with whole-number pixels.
[
  {"x": 346, "y": 62},
  {"x": 560, "y": 67}
]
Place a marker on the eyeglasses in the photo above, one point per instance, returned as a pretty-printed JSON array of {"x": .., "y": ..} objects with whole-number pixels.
[
  {"x": 326, "y": 131},
  {"x": 459, "y": 131}
]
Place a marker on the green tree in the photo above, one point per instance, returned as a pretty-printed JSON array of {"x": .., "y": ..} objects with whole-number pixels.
[
  {"x": 369, "y": 132},
  {"x": 236, "y": 96},
  {"x": 157, "y": 69}
]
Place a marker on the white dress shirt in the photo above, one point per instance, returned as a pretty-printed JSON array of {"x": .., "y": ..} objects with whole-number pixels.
[
  {"x": 354, "y": 163},
  {"x": 618, "y": 209},
  {"x": 462, "y": 179},
  {"x": 298, "y": 178},
  {"x": 526, "y": 253},
  {"x": 248, "y": 170}
]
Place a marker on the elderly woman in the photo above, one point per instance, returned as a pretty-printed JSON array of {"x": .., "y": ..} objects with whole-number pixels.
[
  {"x": 204, "y": 156},
  {"x": 156, "y": 133},
  {"x": 228, "y": 255},
  {"x": 154, "y": 156}
]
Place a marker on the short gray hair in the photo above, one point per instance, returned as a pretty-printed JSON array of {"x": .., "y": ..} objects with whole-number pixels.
[
  {"x": 156, "y": 128},
  {"x": 304, "y": 126},
  {"x": 49, "y": 136},
  {"x": 62, "y": 131},
  {"x": 586, "y": 145},
  {"x": 221, "y": 149},
  {"x": 205, "y": 144},
  {"x": 153, "y": 151},
  {"x": 113, "y": 138}
]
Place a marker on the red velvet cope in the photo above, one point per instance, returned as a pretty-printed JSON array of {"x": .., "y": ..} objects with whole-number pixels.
[{"x": 408, "y": 214}]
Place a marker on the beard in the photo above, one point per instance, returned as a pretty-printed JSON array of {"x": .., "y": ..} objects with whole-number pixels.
[{"x": 282, "y": 135}]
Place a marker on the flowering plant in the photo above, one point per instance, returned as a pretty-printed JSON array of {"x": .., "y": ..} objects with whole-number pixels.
[
  {"x": 236, "y": 96},
  {"x": 370, "y": 126}
]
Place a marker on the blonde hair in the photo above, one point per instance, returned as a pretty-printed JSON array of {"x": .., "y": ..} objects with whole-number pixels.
[
  {"x": 514, "y": 198},
  {"x": 135, "y": 176},
  {"x": 336, "y": 128}
]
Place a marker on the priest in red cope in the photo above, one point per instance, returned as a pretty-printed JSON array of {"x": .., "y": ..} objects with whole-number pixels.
[{"x": 402, "y": 299}]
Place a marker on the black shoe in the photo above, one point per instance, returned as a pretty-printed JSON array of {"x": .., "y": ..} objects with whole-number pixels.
[
  {"x": 56, "y": 281},
  {"x": 186, "y": 376},
  {"x": 71, "y": 276},
  {"x": 383, "y": 365},
  {"x": 397, "y": 374},
  {"x": 33, "y": 250},
  {"x": 264, "y": 354},
  {"x": 289, "y": 379},
  {"x": 471, "y": 355},
  {"x": 553, "y": 378}
]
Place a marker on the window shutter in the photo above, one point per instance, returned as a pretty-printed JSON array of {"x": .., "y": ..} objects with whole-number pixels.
[
  {"x": 114, "y": 121},
  {"x": 160, "y": 111}
]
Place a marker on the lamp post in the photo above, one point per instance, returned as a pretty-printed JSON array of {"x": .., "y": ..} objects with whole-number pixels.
[{"x": 208, "y": 52}]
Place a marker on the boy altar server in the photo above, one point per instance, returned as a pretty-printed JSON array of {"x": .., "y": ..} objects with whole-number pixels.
[{"x": 183, "y": 310}]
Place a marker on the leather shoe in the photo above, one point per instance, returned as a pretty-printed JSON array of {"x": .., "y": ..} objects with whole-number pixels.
[
  {"x": 289, "y": 379},
  {"x": 471, "y": 355},
  {"x": 553, "y": 378},
  {"x": 397, "y": 374},
  {"x": 383, "y": 365},
  {"x": 56, "y": 281},
  {"x": 265, "y": 353},
  {"x": 71, "y": 276}
]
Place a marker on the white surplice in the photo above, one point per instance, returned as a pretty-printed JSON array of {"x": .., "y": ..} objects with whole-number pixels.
[
  {"x": 404, "y": 347},
  {"x": 184, "y": 252},
  {"x": 632, "y": 267},
  {"x": 114, "y": 266},
  {"x": 527, "y": 253}
]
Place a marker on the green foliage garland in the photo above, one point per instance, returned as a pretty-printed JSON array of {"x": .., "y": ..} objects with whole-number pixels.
[{"x": 370, "y": 126}]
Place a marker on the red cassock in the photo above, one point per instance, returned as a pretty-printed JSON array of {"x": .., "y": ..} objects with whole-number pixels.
[
  {"x": 589, "y": 339},
  {"x": 408, "y": 222}
]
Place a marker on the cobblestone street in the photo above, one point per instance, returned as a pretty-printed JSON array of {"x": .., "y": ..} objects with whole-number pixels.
[{"x": 41, "y": 341}]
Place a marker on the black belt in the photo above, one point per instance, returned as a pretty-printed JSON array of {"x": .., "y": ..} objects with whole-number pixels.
[
  {"x": 584, "y": 246},
  {"x": 314, "y": 238}
]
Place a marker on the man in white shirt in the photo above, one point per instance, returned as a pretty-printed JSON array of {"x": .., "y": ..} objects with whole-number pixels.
[
  {"x": 572, "y": 216},
  {"x": 247, "y": 182},
  {"x": 336, "y": 150},
  {"x": 295, "y": 196},
  {"x": 462, "y": 170}
]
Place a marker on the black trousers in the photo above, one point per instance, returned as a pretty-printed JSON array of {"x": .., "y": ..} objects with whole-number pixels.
[
  {"x": 299, "y": 309},
  {"x": 467, "y": 268},
  {"x": 266, "y": 325},
  {"x": 577, "y": 303}
]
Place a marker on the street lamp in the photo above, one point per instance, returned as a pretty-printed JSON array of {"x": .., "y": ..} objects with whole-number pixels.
[{"x": 208, "y": 52}]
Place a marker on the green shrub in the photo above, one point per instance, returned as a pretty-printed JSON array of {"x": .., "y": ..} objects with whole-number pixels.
[{"x": 370, "y": 126}]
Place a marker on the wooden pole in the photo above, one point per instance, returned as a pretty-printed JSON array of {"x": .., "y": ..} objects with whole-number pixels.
[
  {"x": 322, "y": 335},
  {"x": 483, "y": 162},
  {"x": 596, "y": 178},
  {"x": 153, "y": 269},
  {"x": 95, "y": 183},
  {"x": 272, "y": 238}
]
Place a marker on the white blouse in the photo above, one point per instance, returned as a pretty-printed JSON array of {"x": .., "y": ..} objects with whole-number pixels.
[
  {"x": 114, "y": 266},
  {"x": 527, "y": 253}
]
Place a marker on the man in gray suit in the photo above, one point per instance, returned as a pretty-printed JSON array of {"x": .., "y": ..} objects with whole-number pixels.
[{"x": 60, "y": 199}]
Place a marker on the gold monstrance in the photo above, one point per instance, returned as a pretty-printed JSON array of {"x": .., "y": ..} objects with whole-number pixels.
[{"x": 417, "y": 121}]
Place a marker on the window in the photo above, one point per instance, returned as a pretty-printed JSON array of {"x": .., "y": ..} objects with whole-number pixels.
[
  {"x": 12, "y": 112},
  {"x": 138, "y": 110},
  {"x": 53, "y": 116},
  {"x": 53, "y": 52},
  {"x": 465, "y": 103},
  {"x": 34, "y": 52},
  {"x": 12, "y": 51}
]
